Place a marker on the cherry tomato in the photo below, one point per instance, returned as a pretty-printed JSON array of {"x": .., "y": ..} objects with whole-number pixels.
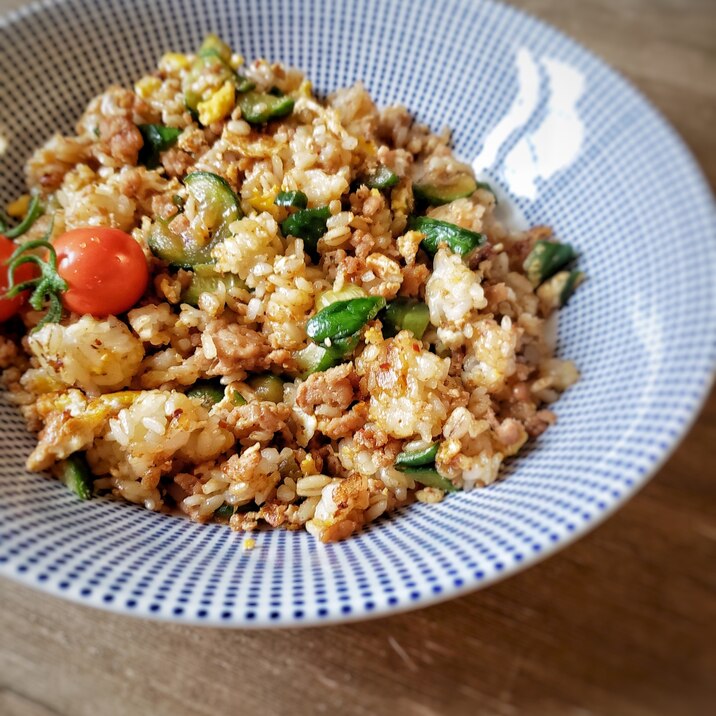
[
  {"x": 10, "y": 306},
  {"x": 105, "y": 269}
]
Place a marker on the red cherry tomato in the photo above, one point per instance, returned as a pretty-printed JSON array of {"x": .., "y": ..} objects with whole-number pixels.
[
  {"x": 10, "y": 306},
  {"x": 105, "y": 269}
]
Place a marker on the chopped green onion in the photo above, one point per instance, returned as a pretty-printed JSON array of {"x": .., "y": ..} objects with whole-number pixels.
[
  {"x": 545, "y": 259},
  {"x": 342, "y": 319},
  {"x": 430, "y": 477},
  {"x": 295, "y": 199},
  {"x": 417, "y": 458},
  {"x": 75, "y": 473},
  {"x": 436, "y": 232}
]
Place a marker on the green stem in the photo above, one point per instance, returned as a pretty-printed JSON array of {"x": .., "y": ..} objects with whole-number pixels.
[
  {"x": 47, "y": 287},
  {"x": 33, "y": 212}
]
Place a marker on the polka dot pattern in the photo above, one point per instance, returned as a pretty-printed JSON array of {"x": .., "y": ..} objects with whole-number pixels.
[{"x": 642, "y": 329}]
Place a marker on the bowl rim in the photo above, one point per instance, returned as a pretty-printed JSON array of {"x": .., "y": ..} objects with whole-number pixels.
[{"x": 583, "y": 527}]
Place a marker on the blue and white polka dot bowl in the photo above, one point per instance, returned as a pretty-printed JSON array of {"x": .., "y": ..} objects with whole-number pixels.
[{"x": 559, "y": 133}]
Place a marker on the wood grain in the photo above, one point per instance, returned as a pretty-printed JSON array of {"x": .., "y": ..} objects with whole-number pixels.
[{"x": 623, "y": 622}]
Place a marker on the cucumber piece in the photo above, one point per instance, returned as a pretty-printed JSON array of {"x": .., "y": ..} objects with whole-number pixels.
[
  {"x": 75, "y": 473},
  {"x": 267, "y": 387},
  {"x": 452, "y": 188},
  {"x": 219, "y": 206},
  {"x": 295, "y": 199},
  {"x": 460, "y": 241},
  {"x": 406, "y": 314},
  {"x": 381, "y": 178},
  {"x": 343, "y": 319},
  {"x": 207, "y": 280},
  {"x": 545, "y": 259},
  {"x": 157, "y": 138},
  {"x": 417, "y": 458},
  {"x": 208, "y": 391},
  {"x": 259, "y": 107},
  {"x": 430, "y": 477}
]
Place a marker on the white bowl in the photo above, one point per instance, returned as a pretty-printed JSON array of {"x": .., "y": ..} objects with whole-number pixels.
[{"x": 571, "y": 145}]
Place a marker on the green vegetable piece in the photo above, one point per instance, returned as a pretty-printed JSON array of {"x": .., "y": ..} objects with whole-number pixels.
[
  {"x": 315, "y": 359},
  {"x": 213, "y": 45},
  {"x": 75, "y": 473},
  {"x": 157, "y": 138},
  {"x": 237, "y": 399},
  {"x": 259, "y": 107},
  {"x": 381, "y": 178},
  {"x": 309, "y": 225},
  {"x": 207, "y": 280},
  {"x": 342, "y": 319},
  {"x": 417, "y": 458},
  {"x": 406, "y": 314},
  {"x": 267, "y": 387},
  {"x": 430, "y": 477},
  {"x": 452, "y": 188},
  {"x": 243, "y": 84},
  {"x": 296, "y": 199},
  {"x": 209, "y": 392},
  {"x": 574, "y": 280},
  {"x": 545, "y": 259},
  {"x": 224, "y": 512},
  {"x": 34, "y": 211},
  {"x": 219, "y": 207},
  {"x": 348, "y": 291},
  {"x": 436, "y": 232}
]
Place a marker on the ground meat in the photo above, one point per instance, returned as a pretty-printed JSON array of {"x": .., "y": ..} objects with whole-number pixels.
[
  {"x": 345, "y": 425},
  {"x": 415, "y": 277},
  {"x": 538, "y": 423},
  {"x": 176, "y": 162},
  {"x": 256, "y": 421},
  {"x": 163, "y": 206},
  {"x": 334, "y": 388},
  {"x": 234, "y": 348},
  {"x": 120, "y": 138}
]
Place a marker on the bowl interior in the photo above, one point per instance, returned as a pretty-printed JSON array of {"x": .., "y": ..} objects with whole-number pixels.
[{"x": 558, "y": 133}]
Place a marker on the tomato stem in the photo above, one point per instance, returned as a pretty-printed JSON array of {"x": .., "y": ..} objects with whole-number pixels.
[
  {"x": 33, "y": 212},
  {"x": 47, "y": 287}
]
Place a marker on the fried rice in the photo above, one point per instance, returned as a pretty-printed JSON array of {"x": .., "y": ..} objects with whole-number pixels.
[{"x": 214, "y": 396}]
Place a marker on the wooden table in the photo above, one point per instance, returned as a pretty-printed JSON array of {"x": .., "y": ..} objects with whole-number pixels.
[{"x": 623, "y": 622}]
